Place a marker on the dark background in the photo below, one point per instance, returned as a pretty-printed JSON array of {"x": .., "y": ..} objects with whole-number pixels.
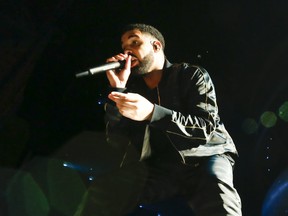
[{"x": 242, "y": 44}]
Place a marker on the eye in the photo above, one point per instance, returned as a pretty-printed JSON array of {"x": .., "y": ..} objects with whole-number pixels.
[
  {"x": 135, "y": 43},
  {"x": 132, "y": 44}
]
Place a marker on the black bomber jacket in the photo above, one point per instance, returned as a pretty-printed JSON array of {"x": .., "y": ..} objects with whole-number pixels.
[{"x": 185, "y": 117}]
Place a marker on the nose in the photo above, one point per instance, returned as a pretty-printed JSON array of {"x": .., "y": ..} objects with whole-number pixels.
[{"x": 127, "y": 51}]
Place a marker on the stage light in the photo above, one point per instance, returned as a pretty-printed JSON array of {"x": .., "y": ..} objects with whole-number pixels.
[
  {"x": 268, "y": 119},
  {"x": 283, "y": 111},
  {"x": 276, "y": 200}
]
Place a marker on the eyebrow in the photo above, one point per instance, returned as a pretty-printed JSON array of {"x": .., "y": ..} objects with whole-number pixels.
[
  {"x": 129, "y": 37},
  {"x": 133, "y": 35}
]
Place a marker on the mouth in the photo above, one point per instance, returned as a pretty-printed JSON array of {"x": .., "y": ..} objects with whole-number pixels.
[{"x": 134, "y": 61}]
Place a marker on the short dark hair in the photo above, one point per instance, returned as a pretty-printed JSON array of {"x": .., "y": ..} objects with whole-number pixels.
[{"x": 146, "y": 29}]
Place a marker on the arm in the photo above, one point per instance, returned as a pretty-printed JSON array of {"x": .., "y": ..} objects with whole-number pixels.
[
  {"x": 197, "y": 118},
  {"x": 123, "y": 107}
]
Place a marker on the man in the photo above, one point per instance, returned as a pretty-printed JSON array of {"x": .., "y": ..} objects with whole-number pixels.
[{"x": 165, "y": 119}]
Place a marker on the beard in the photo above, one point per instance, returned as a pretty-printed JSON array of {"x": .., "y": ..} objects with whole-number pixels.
[{"x": 143, "y": 67}]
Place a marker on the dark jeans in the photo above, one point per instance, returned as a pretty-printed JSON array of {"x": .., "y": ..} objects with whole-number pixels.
[{"x": 205, "y": 183}]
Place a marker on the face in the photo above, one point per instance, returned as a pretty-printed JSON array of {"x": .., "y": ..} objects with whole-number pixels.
[{"x": 139, "y": 46}]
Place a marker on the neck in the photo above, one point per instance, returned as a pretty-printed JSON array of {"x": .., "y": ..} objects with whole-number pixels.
[{"x": 153, "y": 78}]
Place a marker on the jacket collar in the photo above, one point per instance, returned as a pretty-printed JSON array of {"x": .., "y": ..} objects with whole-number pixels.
[{"x": 167, "y": 64}]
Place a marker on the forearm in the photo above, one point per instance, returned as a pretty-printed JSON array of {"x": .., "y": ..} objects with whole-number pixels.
[{"x": 185, "y": 126}]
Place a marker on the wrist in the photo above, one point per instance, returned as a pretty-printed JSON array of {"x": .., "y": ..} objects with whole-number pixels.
[
  {"x": 117, "y": 89},
  {"x": 149, "y": 117}
]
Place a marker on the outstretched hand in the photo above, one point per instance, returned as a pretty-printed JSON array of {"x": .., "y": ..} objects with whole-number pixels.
[{"x": 133, "y": 106}]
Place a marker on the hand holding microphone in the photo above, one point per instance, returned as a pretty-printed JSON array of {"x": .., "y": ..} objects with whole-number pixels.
[
  {"x": 119, "y": 79},
  {"x": 122, "y": 62}
]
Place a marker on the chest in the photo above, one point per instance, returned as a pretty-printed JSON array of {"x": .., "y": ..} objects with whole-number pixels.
[{"x": 169, "y": 93}]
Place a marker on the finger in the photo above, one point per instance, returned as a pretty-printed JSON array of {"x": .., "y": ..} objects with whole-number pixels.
[
  {"x": 125, "y": 105},
  {"x": 117, "y": 94},
  {"x": 124, "y": 96},
  {"x": 128, "y": 62},
  {"x": 119, "y": 99},
  {"x": 118, "y": 57}
]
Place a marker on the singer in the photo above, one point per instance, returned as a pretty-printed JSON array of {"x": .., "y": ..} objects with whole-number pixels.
[{"x": 164, "y": 118}]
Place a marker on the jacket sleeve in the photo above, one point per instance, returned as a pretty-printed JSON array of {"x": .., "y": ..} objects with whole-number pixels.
[
  {"x": 115, "y": 123},
  {"x": 198, "y": 118}
]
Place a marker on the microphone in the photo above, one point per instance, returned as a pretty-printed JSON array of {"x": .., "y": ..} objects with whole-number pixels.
[{"x": 102, "y": 68}]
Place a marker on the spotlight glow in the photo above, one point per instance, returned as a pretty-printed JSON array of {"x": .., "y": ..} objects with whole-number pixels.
[
  {"x": 268, "y": 119},
  {"x": 283, "y": 111}
]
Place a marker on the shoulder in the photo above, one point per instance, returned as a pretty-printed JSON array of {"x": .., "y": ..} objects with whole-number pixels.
[
  {"x": 189, "y": 70},
  {"x": 193, "y": 67}
]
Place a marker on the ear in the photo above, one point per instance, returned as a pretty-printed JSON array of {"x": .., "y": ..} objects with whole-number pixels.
[{"x": 157, "y": 45}]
